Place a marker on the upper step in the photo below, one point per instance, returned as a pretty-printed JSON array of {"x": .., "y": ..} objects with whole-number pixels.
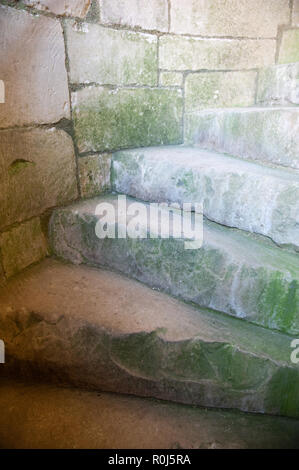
[
  {"x": 82, "y": 326},
  {"x": 278, "y": 85},
  {"x": 232, "y": 272},
  {"x": 263, "y": 134},
  {"x": 233, "y": 192}
]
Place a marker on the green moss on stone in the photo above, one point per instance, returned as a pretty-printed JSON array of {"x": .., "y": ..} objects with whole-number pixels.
[{"x": 127, "y": 117}]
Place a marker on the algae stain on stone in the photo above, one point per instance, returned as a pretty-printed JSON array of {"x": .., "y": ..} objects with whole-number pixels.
[
  {"x": 19, "y": 165},
  {"x": 279, "y": 303},
  {"x": 108, "y": 120}
]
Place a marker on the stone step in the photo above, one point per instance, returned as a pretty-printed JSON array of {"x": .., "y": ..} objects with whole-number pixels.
[
  {"x": 233, "y": 272},
  {"x": 233, "y": 191},
  {"x": 48, "y": 417},
  {"x": 93, "y": 328},
  {"x": 278, "y": 85},
  {"x": 263, "y": 134}
]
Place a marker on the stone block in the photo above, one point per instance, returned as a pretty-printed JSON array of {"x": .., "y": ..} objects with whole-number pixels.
[
  {"x": 77, "y": 8},
  {"x": 289, "y": 47},
  {"x": 143, "y": 14},
  {"x": 219, "y": 90},
  {"x": 239, "y": 18},
  {"x": 108, "y": 56},
  {"x": 107, "y": 119},
  {"x": 32, "y": 66},
  {"x": 186, "y": 53},
  {"x": 22, "y": 245},
  {"x": 94, "y": 174},
  {"x": 38, "y": 171}
]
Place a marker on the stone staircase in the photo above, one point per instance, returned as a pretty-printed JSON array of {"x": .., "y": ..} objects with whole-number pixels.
[{"x": 222, "y": 336}]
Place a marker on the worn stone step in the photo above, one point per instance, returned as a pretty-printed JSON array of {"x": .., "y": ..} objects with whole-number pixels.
[
  {"x": 233, "y": 192},
  {"x": 278, "y": 85},
  {"x": 234, "y": 272},
  {"x": 45, "y": 416},
  {"x": 263, "y": 134},
  {"x": 94, "y": 328}
]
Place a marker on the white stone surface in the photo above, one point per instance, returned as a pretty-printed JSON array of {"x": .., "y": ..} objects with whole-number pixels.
[
  {"x": 232, "y": 191},
  {"x": 78, "y": 8},
  {"x": 263, "y": 134},
  {"x": 108, "y": 56},
  {"x": 219, "y": 89},
  {"x": 237, "y": 18},
  {"x": 186, "y": 53},
  {"x": 295, "y": 16},
  {"x": 145, "y": 14},
  {"x": 32, "y": 66},
  {"x": 279, "y": 85}
]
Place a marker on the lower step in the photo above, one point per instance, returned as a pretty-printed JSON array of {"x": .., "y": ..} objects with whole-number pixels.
[
  {"x": 233, "y": 272},
  {"x": 46, "y": 417},
  {"x": 87, "y": 327}
]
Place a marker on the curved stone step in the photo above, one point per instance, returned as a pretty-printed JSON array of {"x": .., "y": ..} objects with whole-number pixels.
[
  {"x": 49, "y": 417},
  {"x": 233, "y": 192},
  {"x": 264, "y": 134},
  {"x": 233, "y": 272},
  {"x": 93, "y": 328}
]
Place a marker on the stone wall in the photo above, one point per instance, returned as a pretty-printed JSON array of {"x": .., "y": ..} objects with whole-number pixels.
[{"x": 85, "y": 78}]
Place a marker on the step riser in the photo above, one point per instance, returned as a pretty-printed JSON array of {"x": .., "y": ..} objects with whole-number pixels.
[
  {"x": 263, "y": 135},
  {"x": 217, "y": 276},
  {"x": 211, "y": 374},
  {"x": 231, "y": 195},
  {"x": 278, "y": 85}
]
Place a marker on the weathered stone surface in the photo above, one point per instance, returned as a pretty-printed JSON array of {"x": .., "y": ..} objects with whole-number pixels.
[
  {"x": 257, "y": 18},
  {"x": 32, "y": 66},
  {"x": 151, "y": 15},
  {"x": 94, "y": 174},
  {"x": 22, "y": 246},
  {"x": 108, "y": 56},
  {"x": 50, "y": 417},
  {"x": 171, "y": 79},
  {"x": 295, "y": 16},
  {"x": 233, "y": 272},
  {"x": 264, "y": 134},
  {"x": 185, "y": 53},
  {"x": 289, "y": 48},
  {"x": 279, "y": 85},
  {"x": 219, "y": 89},
  {"x": 111, "y": 119},
  {"x": 37, "y": 171},
  {"x": 77, "y": 8},
  {"x": 56, "y": 322},
  {"x": 233, "y": 192}
]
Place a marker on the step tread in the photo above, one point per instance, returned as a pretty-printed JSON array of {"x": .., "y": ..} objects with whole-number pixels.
[
  {"x": 44, "y": 416},
  {"x": 199, "y": 158},
  {"x": 124, "y": 306}
]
